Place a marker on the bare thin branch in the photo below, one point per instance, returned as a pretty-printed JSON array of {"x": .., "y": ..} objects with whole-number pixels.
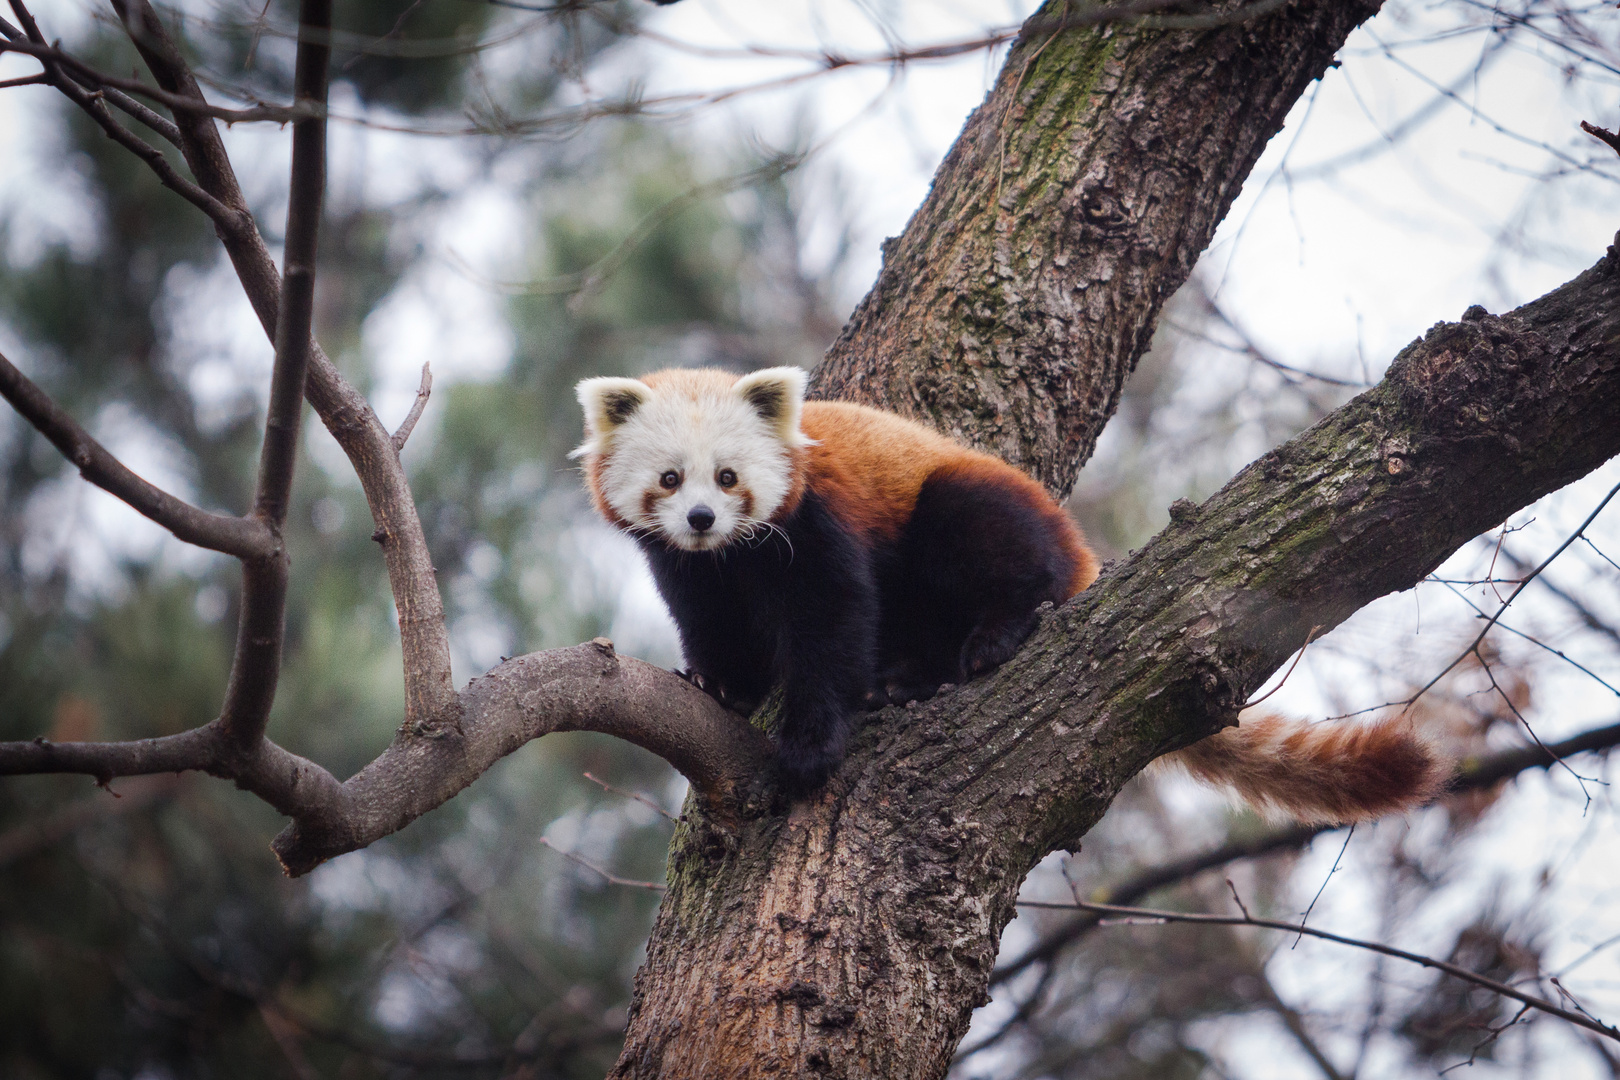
[
  {"x": 1608, "y": 138},
  {"x": 607, "y": 875},
  {"x": 256, "y": 666},
  {"x": 1473, "y": 774},
  {"x": 1297, "y": 658},
  {"x": 1154, "y": 915},
  {"x": 160, "y": 124},
  {"x": 1528, "y": 578},
  {"x": 244, "y": 538},
  {"x": 422, "y": 392},
  {"x": 276, "y": 114},
  {"x": 637, "y": 796}
]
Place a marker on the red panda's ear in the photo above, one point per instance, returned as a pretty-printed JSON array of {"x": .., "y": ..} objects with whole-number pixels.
[
  {"x": 608, "y": 403},
  {"x": 777, "y": 394}
]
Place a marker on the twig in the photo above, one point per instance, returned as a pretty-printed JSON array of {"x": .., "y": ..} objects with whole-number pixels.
[
  {"x": 1528, "y": 578},
  {"x": 422, "y": 392},
  {"x": 612, "y": 878},
  {"x": 1494, "y": 1032},
  {"x": 1608, "y": 138},
  {"x": 1159, "y": 916},
  {"x": 243, "y": 537},
  {"x": 1473, "y": 774},
  {"x": 1587, "y": 540},
  {"x": 276, "y": 114},
  {"x": 1238, "y": 900},
  {"x": 642, "y": 799},
  {"x": 1587, "y": 615},
  {"x": 1334, "y": 869},
  {"x": 1297, "y": 658}
]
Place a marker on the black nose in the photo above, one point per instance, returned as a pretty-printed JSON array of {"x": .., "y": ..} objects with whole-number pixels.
[{"x": 700, "y": 517}]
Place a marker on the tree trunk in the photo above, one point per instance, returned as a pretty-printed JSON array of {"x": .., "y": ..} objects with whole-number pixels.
[
  {"x": 853, "y": 935},
  {"x": 1076, "y": 200}
]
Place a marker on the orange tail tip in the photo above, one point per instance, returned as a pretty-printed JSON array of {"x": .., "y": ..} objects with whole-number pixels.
[{"x": 1320, "y": 773}]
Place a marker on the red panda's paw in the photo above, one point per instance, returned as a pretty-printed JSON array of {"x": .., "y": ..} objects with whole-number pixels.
[
  {"x": 802, "y": 770},
  {"x": 896, "y": 693},
  {"x": 734, "y": 702},
  {"x": 993, "y": 643}
]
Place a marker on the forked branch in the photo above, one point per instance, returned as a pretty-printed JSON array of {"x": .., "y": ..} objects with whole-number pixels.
[
  {"x": 447, "y": 739},
  {"x": 82, "y": 72},
  {"x": 584, "y": 688},
  {"x": 425, "y": 641}
]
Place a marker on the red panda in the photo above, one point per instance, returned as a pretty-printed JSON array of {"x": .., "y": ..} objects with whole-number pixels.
[{"x": 857, "y": 558}]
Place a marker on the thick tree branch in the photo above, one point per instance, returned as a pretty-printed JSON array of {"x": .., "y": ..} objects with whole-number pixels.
[
  {"x": 1014, "y": 305},
  {"x": 942, "y": 808},
  {"x": 585, "y": 688},
  {"x": 245, "y": 538},
  {"x": 1472, "y": 423}
]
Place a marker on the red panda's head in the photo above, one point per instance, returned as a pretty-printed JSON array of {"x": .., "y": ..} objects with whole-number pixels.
[{"x": 698, "y": 457}]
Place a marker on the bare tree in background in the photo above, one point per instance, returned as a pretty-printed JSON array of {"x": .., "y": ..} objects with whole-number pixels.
[{"x": 854, "y": 933}]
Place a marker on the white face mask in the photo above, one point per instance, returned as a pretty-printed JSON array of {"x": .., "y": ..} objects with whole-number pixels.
[{"x": 701, "y": 462}]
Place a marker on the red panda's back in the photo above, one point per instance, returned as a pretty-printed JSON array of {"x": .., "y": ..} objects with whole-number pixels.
[{"x": 870, "y": 465}]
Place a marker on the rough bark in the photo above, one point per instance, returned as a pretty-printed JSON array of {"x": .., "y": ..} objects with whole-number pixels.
[{"x": 1076, "y": 200}]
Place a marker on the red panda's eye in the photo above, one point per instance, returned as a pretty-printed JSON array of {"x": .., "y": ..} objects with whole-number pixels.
[
  {"x": 727, "y": 478},
  {"x": 670, "y": 480}
]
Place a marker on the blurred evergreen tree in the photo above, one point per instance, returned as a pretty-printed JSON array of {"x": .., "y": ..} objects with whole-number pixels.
[{"x": 151, "y": 934}]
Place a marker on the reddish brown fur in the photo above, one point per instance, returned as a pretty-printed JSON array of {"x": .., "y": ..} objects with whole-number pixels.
[
  {"x": 870, "y": 466},
  {"x": 594, "y": 465},
  {"x": 1333, "y": 773},
  {"x": 971, "y": 465}
]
